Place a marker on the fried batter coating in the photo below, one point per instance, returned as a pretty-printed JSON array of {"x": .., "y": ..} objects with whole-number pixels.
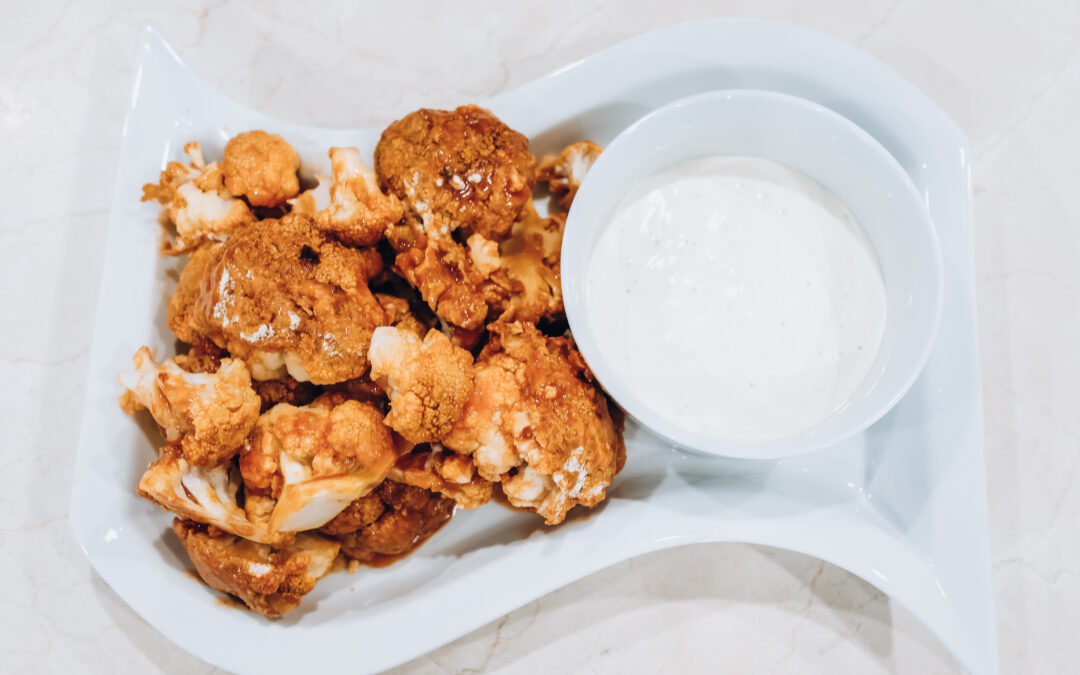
[
  {"x": 410, "y": 515},
  {"x": 564, "y": 172},
  {"x": 362, "y": 511},
  {"x": 269, "y": 581},
  {"x": 459, "y": 168},
  {"x": 445, "y": 275},
  {"x": 316, "y": 459},
  {"x": 208, "y": 414},
  {"x": 537, "y": 424},
  {"x": 284, "y": 297},
  {"x": 197, "y": 202},
  {"x": 204, "y": 495},
  {"x": 428, "y": 381},
  {"x": 262, "y": 167},
  {"x": 201, "y": 359},
  {"x": 526, "y": 285},
  {"x": 352, "y": 207},
  {"x": 284, "y": 390},
  {"x": 436, "y": 469}
]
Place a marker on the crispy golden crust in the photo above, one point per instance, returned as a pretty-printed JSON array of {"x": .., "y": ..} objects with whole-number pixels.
[
  {"x": 410, "y": 515},
  {"x": 181, "y": 316},
  {"x": 208, "y": 414},
  {"x": 445, "y": 473},
  {"x": 459, "y": 168},
  {"x": 537, "y": 424},
  {"x": 284, "y": 390},
  {"x": 283, "y": 297},
  {"x": 362, "y": 511},
  {"x": 261, "y": 167},
  {"x": 316, "y": 459},
  {"x": 428, "y": 381},
  {"x": 201, "y": 359},
  {"x": 269, "y": 581},
  {"x": 564, "y": 172}
]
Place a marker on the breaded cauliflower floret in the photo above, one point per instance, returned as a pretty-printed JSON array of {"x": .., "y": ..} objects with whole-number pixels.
[
  {"x": 262, "y": 167},
  {"x": 270, "y": 581},
  {"x": 526, "y": 284},
  {"x": 206, "y": 496},
  {"x": 284, "y": 297},
  {"x": 456, "y": 168},
  {"x": 197, "y": 202},
  {"x": 409, "y": 515},
  {"x": 443, "y": 472},
  {"x": 428, "y": 381},
  {"x": 444, "y": 273},
  {"x": 316, "y": 459},
  {"x": 537, "y": 424},
  {"x": 208, "y": 414},
  {"x": 352, "y": 207},
  {"x": 362, "y": 511},
  {"x": 564, "y": 172}
]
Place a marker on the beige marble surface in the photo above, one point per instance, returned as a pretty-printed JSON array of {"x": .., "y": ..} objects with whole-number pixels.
[{"x": 1008, "y": 72}]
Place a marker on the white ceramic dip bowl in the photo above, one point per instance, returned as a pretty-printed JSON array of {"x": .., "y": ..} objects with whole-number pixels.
[{"x": 820, "y": 144}]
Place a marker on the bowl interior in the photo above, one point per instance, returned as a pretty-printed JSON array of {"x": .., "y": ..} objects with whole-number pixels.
[{"x": 829, "y": 149}]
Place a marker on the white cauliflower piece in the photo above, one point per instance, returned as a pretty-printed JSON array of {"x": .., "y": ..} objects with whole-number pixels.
[
  {"x": 197, "y": 202},
  {"x": 208, "y": 414},
  {"x": 351, "y": 207},
  {"x": 206, "y": 496},
  {"x": 316, "y": 459},
  {"x": 536, "y": 423},
  {"x": 428, "y": 381}
]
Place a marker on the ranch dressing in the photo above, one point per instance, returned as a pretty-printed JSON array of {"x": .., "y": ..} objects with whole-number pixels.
[{"x": 738, "y": 298}]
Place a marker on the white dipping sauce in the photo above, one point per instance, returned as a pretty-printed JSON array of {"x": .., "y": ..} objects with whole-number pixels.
[{"x": 738, "y": 298}]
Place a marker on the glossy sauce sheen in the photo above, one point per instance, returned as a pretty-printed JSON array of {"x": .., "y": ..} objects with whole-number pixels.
[{"x": 737, "y": 298}]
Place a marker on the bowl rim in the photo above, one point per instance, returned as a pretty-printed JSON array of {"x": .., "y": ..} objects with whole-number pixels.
[{"x": 805, "y": 441}]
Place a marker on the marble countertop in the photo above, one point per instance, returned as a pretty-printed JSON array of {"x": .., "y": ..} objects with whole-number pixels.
[{"x": 1010, "y": 76}]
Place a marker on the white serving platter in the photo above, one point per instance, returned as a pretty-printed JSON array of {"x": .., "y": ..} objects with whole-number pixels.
[{"x": 903, "y": 505}]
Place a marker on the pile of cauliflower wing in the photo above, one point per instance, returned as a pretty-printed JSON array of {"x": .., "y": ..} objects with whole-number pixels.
[{"x": 367, "y": 354}]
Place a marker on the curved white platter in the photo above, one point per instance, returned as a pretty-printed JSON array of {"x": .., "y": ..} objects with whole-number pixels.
[{"x": 903, "y": 506}]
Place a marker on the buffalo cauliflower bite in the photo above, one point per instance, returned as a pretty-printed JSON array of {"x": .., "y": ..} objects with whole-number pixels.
[
  {"x": 197, "y": 202},
  {"x": 525, "y": 285},
  {"x": 208, "y": 414},
  {"x": 535, "y": 423},
  {"x": 316, "y": 459},
  {"x": 444, "y": 273},
  {"x": 446, "y": 473},
  {"x": 285, "y": 298},
  {"x": 564, "y": 172},
  {"x": 456, "y": 168},
  {"x": 428, "y": 381},
  {"x": 261, "y": 167},
  {"x": 206, "y": 496},
  {"x": 270, "y": 581},
  {"x": 409, "y": 515},
  {"x": 352, "y": 207}
]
